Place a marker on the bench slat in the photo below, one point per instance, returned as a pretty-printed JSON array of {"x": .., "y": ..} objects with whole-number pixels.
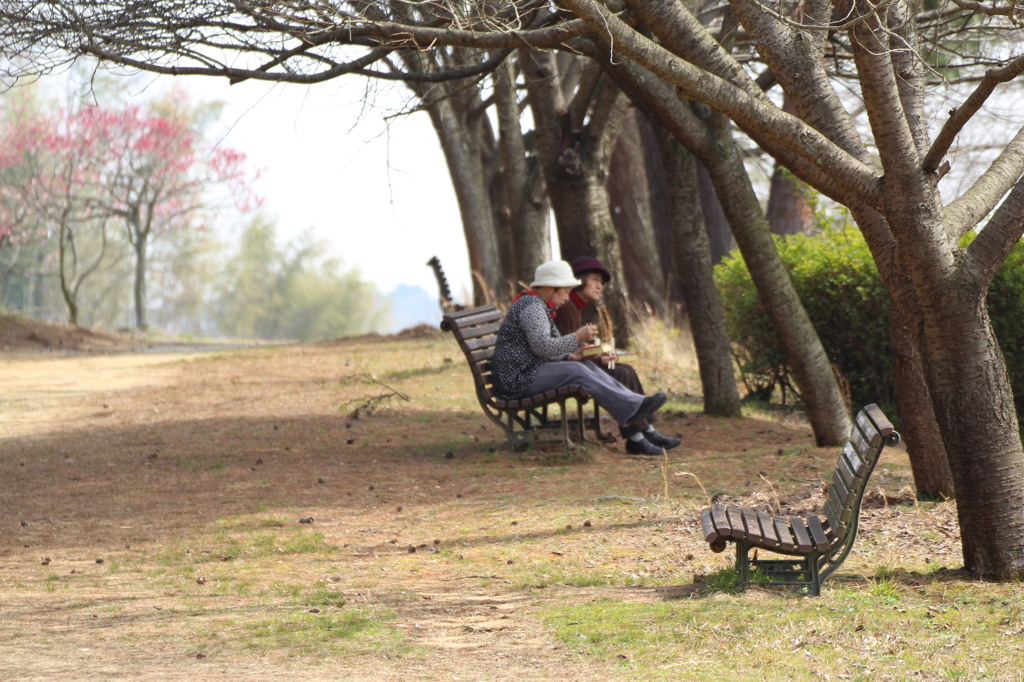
[
  {"x": 786, "y": 540},
  {"x": 856, "y": 462},
  {"x": 471, "y": 317},
  {"x": 481, "y": 342},
  {"x": 721, "y": 521},
  {"x": 841, "y": 504},
  {"x": 881, "y": 422},
  {"x": 821, "y": 541},
  {"x": 843, "y": 469},
  {"x": 750, "y": 524},
  {"x": 843, "y": 492},
  {"x": 707, "y": 525},
  {"x": 768, "y": 531},
  {"x": 480, "y": 355},
  {"x": 477, "y": 332},
  {"x": 802, "y": 535},
  {"x": 735, "y": 515},
  {"x": 835, "y": 520},
  {"x": 867, "y": 427}
]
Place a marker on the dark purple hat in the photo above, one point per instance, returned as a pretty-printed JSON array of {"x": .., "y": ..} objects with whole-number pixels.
[{"x": 586, "y": 264}]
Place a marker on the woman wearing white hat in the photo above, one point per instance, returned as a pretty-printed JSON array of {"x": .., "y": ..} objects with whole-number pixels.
[{"x": 531, "y": 356}]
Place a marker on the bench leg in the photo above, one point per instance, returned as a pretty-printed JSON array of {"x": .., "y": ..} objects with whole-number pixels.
[
  {"x": 566, "y": 437},
  {"x": 742, "y": 564},
  {"x": 598, "y": 433},
  {"x": 814, "y": 586}
]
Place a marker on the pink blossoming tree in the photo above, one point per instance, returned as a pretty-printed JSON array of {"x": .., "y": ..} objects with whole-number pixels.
[{"x": 103, "y": 172}]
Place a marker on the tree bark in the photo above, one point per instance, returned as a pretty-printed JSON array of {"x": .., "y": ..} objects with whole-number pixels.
[
  {"x": 632, "y": 212},
  {"x": 788, "y": 212},
  {"x": 967, "y": 376},
  {"x": 692, "y": 251},
  {"x": 139, "y": 287},
  {"x": 925, "y": 449},
  {"x": 523, "y": 198},
  {"x": 716, "y": 224},
  {"x": 467, "y": 172},
  {"x": 456, "y": 114}
]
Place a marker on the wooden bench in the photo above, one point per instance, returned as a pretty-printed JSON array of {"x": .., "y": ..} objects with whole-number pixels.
[
  {"x": 527, "y": 420},
  {"x": 819, "y": 545}
]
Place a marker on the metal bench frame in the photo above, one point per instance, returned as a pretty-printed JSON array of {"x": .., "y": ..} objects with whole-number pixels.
[
  {"x": 816, "y": 546},
  {"x": 529, "y": 419}
]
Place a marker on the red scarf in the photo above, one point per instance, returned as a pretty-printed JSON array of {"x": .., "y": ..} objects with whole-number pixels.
[
  {"x": 577, "y": 300},
  {"x": 552, "y": 310}
]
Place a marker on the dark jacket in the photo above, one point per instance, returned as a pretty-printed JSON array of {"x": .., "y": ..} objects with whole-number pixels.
[{"x": 570, "y": 315}]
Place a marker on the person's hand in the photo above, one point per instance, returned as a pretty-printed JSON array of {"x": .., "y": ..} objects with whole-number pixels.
[
  {"x": 586, "y": 333},
  {"x": 608, "y": 359},
  {"x": 575, "y": 356}
]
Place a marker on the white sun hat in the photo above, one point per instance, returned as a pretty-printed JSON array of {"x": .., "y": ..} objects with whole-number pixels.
[{"x": 554, "y": 273}]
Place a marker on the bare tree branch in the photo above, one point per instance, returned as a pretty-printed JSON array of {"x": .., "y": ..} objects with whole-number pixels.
[
  {"x": 988, "y": 251},
  {"x": 959, "y": 116},
  {"x": 967, "y": 210}
]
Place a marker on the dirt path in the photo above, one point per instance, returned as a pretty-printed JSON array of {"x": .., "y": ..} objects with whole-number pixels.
[{"x": 113, "y": 462}]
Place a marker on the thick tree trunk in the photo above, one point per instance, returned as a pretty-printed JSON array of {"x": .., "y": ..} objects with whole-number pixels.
[
  {"x": 925, "y": 449},
  {"x": 693, "y": 253},
  {"x": 455, "y": 112},
  {"x": 580, "y": 204},
  {"x": 631, "y": 210},
  {"x": 975, "y": 410},
  {"x": 661, "y": 193},
  {"x": 788, "y": 211}
]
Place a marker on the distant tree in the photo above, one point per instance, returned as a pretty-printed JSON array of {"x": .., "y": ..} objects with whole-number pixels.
[
  {"x": 73, "y": 176},
  {"x": 47, "y": 192},
  {"x": 157, "y": 177},
  {"x": 295, "y": 292}
]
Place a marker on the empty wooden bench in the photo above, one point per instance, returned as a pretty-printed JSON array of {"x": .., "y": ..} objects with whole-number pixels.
[
  {"x": 528, "y": 419},
  {"x": 817, "y": 545}
]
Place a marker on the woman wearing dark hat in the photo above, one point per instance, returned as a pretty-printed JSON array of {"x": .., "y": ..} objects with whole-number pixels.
[
  {"x": 531, "y": 356},
  {"x": 641, "y": 437}
]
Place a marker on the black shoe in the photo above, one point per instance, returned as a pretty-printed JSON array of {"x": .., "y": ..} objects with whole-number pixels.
[
  {"x": 661, "y": 440},
  {"x": 648, "y": 407},
  {"x": 642, "y": 447}
]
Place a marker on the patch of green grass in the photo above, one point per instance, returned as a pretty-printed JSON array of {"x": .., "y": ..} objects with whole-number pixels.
[
  {"x": 347, "y": 633},
  {"x": 252, "y": 546},
  {"x": 726, "y": 580},
  {"x": 859, "y": 631}
]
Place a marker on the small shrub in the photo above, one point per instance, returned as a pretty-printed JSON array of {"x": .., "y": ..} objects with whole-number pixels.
[{"x": 836, "y": 280}]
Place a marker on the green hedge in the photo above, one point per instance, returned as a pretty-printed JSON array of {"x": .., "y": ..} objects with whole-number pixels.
[{"x": 837, "y": 281}]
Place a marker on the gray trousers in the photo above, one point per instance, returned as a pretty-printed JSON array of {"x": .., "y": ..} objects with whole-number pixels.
[{"x": 620, "y": 402}]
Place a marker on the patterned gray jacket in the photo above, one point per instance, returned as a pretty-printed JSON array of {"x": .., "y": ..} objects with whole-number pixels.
[{"x": 527, "y": 338}]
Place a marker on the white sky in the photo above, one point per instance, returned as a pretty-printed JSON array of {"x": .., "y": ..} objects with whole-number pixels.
[{"x": 378, "y": 190}]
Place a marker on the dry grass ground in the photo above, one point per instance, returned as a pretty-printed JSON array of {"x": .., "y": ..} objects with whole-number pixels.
[{"x": 344, "y": 511}]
